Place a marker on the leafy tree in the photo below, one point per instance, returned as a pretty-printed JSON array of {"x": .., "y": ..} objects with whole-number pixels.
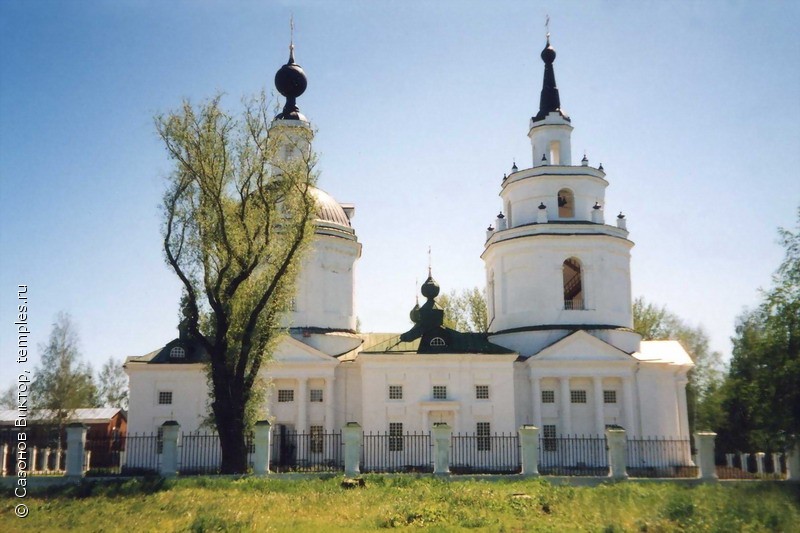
[
  {"x": 9, "y": 398},
  {"x": 465, "y": 311},
  {"x": 238, "y": 213},
  {"x": 62, "y": 382},
  {"x": 762, "y": 396},
  {"x": 655, "y": 322},
  {"x": 112, "y": 385}
]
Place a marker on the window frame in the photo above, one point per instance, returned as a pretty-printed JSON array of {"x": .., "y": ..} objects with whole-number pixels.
[
  {"x": 395, "y": 392},
  {"x": 609, "y": 396},
  {"x": 549, "y": 437},
  {"x": 482, "y": 392},
  {"x": 483, "y": 436},
  {"x": 316, "y": 439},
  {"x": 439, "y": 392},
  {"x": 320, "y": 396},
  {"x": 285, "y": 395},
  {"x": 548, "y": 396},
  {"x": 396, "y": 437},
  {"x": 578, "y": 396},
  {"x": 163, "y": 396}
]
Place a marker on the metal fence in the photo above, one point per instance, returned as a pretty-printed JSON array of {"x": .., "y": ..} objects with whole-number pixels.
[
  {"x": 307, "y": 452},
  {"x": 660, "y": 457},
  {"x": 485, "y": 454},
  {"x": 385, "y": 452},
  {"x": 741, "y": 465},
  {"x": 572, "y": 455},
  {"x": 104, "y": 455},
  {"x": 140, "y": 454}
]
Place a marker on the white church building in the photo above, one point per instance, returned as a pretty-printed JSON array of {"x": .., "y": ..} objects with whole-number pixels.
[{"x": 561, "y": 353}]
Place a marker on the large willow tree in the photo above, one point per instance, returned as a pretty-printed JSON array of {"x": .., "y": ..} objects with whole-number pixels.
[{"x": 238, "y": 214}]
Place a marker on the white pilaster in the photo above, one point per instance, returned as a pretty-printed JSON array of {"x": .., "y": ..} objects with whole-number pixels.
[
  {"x": 630, "y": 414},
  {"x": 599, "y": 418},
  {"x": 564, "y": 411},
  {"x": 328, "y": 399},
  {"x": 302, "y": 405},
  {"x": 536, "y": 387}
]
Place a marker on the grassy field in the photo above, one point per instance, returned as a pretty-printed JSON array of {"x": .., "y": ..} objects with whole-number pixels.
[{"x": 251, "y": 504}]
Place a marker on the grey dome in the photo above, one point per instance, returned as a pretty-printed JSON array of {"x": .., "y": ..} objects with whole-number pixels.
[{"x": 328, "y": 209}]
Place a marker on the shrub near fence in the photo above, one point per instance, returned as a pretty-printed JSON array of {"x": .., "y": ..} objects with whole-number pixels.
[
  {"x": 383, "y": 452},
  {"x": 485, "y": 454}
]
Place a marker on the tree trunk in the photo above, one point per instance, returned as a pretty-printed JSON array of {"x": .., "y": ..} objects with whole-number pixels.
[{"x": 231, "y": 430}]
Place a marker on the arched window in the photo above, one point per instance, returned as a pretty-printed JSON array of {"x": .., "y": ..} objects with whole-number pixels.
[
  {"x": 177, "y": 353},
  {"x": 573, "y": 284},
  {"x": 438, "y": 341},
  {"x": 555, "y": 153},
  {"x": 566, "y": 204}
]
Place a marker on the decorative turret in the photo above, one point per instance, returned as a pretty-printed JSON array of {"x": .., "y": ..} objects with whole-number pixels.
[
  {"x": 549, "y": 100},
  {"x": 550, "y": 128}
]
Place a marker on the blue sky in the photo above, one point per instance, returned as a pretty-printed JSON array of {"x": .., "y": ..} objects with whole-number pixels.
[{"x": 692, "y": 107}]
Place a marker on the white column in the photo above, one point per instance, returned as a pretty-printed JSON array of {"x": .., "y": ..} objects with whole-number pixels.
[
  {"x": 302, "y": 405},
  {"x": 630, "y": 413},
  {"x": 352, "y": 448},
  {"x": 328, "y": 399},
  {"x": 705, "y": 455},
  {"x": 776, "y": 463},
  {"x": 529, "y": 444},
  {"x": 760, "y": 463},
  {"x": 566, "y": 414},
  {"x": 263, "y": 432},
  {"x": 536, "y": 387},
  {"x": 76, "y": 442},
  {"x": 617, "y": 442},
  {"x": 599, "y": 418},
  {"x": 441, "y": 448}
]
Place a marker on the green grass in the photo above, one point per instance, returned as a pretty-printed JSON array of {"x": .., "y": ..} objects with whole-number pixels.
[{"x": 252, "y": 504}]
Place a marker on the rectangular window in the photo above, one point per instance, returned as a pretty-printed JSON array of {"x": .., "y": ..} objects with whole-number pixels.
[
  {"x": 609, "y": 396},
  {"x": 165, "y": 397},
  {"x": 481, "y": 392},
  {"x": 548, "y": 396},
  {"x": 440, "y": 392},
  {"x": 484, "y": 440},
  {"x": 285, "y": 395},
  {"x": 577, "y": 396},
  {"x": 549, "y": 434},
  {"x": 315, "y": 443},
  {"x": 395, "y": 436},
  {"x": 315, "y": 395},
  {"x": 395, "y": 392}
]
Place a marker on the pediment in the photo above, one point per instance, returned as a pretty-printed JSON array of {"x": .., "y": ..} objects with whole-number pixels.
[
  {"x": 290, "y": 350},
  {"x": 581, "y": 346}
]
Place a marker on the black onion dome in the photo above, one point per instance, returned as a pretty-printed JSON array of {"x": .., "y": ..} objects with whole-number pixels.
[
  {"x": 291, "y": 82},
  {"x": 414, "y": 315},
  {"x": 549, "y": 53},
  {"x": 430, "y": 289}
]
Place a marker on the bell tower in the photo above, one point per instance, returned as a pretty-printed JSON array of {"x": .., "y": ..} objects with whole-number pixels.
[{"x": 553, "y": 265}]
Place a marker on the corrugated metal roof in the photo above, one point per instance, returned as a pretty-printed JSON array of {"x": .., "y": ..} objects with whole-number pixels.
[{"x": 328, "y": 209}]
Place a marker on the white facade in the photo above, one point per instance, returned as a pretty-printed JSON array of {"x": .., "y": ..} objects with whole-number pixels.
[{"x": 561, "y": 353}]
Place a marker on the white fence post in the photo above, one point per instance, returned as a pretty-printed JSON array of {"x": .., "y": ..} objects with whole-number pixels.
[
  {"x": 5, "y": 458},
  {"x": 169, "y": 449},
  {"x": 617, "y": 443},
  {"x": 76, "y": 442},
  {"x": 262, "y": 437},
  {"x": 776, "y": 463},
  {"x": 352, "y": 448},
  {"x": 760, "y": 463},
  {"x": 729, "y": 459},
  {"x": 46, "y": 462},
  {"x": 743, "y": 459},
  {"x": 705, "y": 455},
  {"x": 442, "y": 434},
  {"x": 793, "y": 463},
  {"x": 529, "y": 444}
]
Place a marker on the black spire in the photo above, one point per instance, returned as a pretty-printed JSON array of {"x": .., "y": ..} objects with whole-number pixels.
[
  {"x": 291, "y": 82},
  {"x": 549, "y": 100}
]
